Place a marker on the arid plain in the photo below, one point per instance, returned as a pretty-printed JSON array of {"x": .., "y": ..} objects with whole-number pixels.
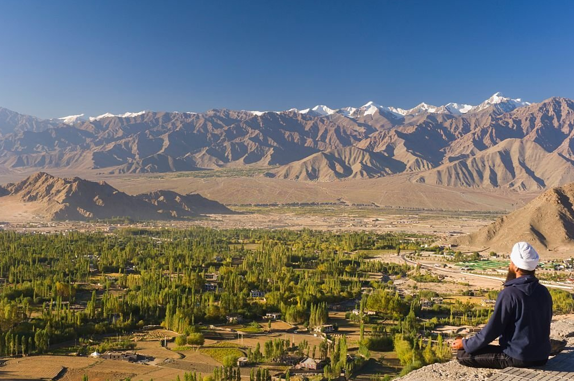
[{"x": 384, "y": 204}]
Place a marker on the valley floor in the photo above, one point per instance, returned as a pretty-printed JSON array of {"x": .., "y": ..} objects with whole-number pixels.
[{"x": 393, "y": 191}]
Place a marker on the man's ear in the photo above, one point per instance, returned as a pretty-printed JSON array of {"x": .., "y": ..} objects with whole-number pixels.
[
  {"x": 516, "y": 269},
  {"x": 513, "y": 267}
]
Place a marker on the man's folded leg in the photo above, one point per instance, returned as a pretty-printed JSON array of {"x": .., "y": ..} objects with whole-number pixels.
[{"x": 490, "y": 356}]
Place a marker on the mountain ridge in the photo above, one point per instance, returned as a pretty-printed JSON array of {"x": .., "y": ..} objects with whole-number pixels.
[
  {"x": 78, "y": 199},
  {"x": 546, "y": 222},
  {"x": 432, "y": 146},
  {"x": 323, "y": 110}
]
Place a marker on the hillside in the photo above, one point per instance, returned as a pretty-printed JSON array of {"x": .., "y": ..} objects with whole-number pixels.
[
  {"x": 499, "y": 143},
  {"x": 350, "y": 162},
  {"x": 11, "y": 122},
  {"x": 547, "y": 222},
  {"x": 513, "y": 163},
  {"x": 52, "y": 198}
]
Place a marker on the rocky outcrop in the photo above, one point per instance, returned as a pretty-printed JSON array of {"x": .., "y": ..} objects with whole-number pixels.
[{"x": 562, "y": 329}]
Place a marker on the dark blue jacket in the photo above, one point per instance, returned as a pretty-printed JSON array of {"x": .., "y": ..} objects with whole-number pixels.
[{"x": 521, "y": 320}]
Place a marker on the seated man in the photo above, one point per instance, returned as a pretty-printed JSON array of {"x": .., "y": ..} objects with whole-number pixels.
[{"x": 521, "y": 320}]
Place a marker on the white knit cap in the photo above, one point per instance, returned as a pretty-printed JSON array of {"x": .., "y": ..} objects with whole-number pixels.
[{"x": 524, "y": 256}]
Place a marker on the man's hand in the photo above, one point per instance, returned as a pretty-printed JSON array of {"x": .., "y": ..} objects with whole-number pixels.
[{"x": 457, "y": 344}]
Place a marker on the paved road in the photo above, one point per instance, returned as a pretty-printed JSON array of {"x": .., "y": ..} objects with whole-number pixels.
[{"x": 457, "y": 273}]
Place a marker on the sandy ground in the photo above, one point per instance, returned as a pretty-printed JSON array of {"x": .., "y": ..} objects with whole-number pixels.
[
  {"x": 385, "y": 192},
  {"x": 15, "y": 211},
  {"x": 338, "y": 219},
  {"x": 41, "y": 367},
  {"x": 389, "y": 191}
]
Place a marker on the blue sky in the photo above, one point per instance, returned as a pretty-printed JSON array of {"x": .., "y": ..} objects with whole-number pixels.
[{"x": 65, "y": 57}]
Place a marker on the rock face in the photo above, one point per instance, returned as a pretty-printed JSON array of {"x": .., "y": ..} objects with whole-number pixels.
[
  {"x": 78, "y": 199},
  {"x": 546, "y": 222},
  {"x": 514, "y": 163},
  {"x": 501, "y": 143},
  {"x": 350, "y": 162},
  {"x": 452, "y": 371}
]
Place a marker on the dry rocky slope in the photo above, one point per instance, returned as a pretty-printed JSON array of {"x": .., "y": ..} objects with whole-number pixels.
[
  {"x": 547, "y": 222},
  {"x": 77, "y": 199},
  {"x": 562, "y": 329},
  {"x": 498, "y": 144},
  {"x": 349, "y": 162}
]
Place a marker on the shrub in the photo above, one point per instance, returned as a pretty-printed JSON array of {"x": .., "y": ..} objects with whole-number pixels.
[
  {"x": 230, "y": 361},
  {"x": 382, "y": 343},
  {"x": 196, "y": 339},
  {"x": 562, "y": 301},
  {"x": 181, "y": 340}
]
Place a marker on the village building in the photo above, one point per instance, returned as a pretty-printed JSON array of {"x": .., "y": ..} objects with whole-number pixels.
[
  {"x": 234, "y": 319},
  {"x": 325, "y": 328},
  {"x": 425, "y": 303},
  {"x": 311, "y": 364},
  {"x": 257, "y": 294},
  {"x": 272, "y": 316},
  {"x": 242, "y": 361},
  {"x": 365, "y": 312},
  {"x": 289, "y": 360},
  {"x": 123, "y": 356}
]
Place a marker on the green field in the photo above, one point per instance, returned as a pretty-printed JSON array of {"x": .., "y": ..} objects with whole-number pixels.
[
  {"x": 220, "y": 351},
  {"x": 484, "y": 265}
]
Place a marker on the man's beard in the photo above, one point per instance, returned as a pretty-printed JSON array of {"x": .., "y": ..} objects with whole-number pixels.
[{"x": 510, "y": 275}]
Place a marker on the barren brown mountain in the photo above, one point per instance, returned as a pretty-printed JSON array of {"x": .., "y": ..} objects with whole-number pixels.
[
  {"x": 349, "y": 162},
  {"x": 53, "y": 198},
  {"x": 438, "y": 145},
  {"x": 11, "y": 122},
  {"x": 547, "y": 222},
  {"x": 514, "y": 163}
]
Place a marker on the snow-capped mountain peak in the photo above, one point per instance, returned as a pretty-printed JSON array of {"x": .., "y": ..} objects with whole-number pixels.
[
  {"x": 496, "y": 98},
  {"x": 504, "y": 103},
  {"x": 109, "y": 115},
  {"x": 422, "y": 107},
  {"x": 321, "y": 110},
  {"x": 370, "y": 108},
  {"x": 370, "y": 104},
  {"x": 347, "y": 111},
  {"x": 71, "y": 119},
  {"x": 456, "y": 108}
]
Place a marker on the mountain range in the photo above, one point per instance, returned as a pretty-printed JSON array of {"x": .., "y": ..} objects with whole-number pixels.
[
  {"x": 547, "y": 222},
  {"x": 54, "y": 198},
  {"x": 500, "y": 143}
]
